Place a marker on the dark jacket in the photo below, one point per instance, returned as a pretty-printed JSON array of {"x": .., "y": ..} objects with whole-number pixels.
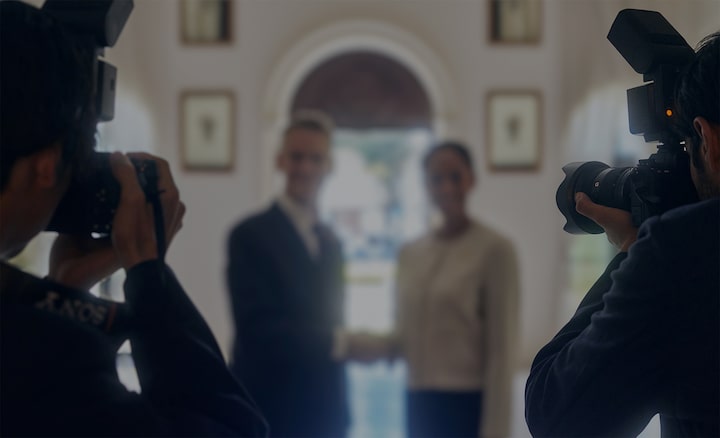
[
  {"x": 59, "y": 376},
  {"x": 286, "y": 306},
  {"x": 643, "y": 341}
]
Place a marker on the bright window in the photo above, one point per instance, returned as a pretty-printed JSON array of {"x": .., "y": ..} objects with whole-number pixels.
[{"x": 375, "y": 202}]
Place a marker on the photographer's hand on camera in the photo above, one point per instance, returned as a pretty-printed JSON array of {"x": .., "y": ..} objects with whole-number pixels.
[
  {"x": 617, "y": 223},
  {"x": 82, "y": 261},
  {"x": 133, "y": 234}
]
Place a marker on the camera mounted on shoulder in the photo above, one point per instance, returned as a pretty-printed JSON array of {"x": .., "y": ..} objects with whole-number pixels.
[{"x": 653, "y": 48}]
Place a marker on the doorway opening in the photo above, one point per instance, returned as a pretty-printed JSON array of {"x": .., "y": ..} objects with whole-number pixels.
[{"x": 375, "y": 202}]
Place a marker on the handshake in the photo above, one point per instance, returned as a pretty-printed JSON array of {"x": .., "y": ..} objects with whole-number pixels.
[{"x": 365, "y": 347}]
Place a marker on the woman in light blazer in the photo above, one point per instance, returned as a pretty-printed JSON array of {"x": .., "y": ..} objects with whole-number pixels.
[{"x": 456, "y": 314}]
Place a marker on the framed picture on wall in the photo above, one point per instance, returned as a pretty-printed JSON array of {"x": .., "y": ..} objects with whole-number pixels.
[
  {"x": 207, "y": 134},
  {"x": 205, "y": 22},
  {"x": 514, "y": 130},
  {"x": 515, "y": 21}
]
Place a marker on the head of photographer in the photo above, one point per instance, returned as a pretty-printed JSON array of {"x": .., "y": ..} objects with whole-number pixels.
[
  {"x": 49, "y": 118},
  {"x": 698, "y": 100}
]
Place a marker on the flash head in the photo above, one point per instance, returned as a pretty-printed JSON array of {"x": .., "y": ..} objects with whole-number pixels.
[
  {"x": 98, "y": 23},
  {"x": 101, "y": 20},
  {"x": 653, "y": 48}
]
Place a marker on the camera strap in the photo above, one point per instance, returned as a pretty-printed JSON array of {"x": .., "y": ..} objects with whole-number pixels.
[
  {"x": 20, "y": 288},
  {"x": 159, "y": 225},
  {"x": 148, "y": 178}
]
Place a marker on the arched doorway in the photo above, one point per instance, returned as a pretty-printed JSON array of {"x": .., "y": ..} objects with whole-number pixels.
[
  {"x": 365, "y": 90},
  {"x": 335, "y": 39},
  {"x": 374, "y": 200},
  {"x": 286, "y": 78}
]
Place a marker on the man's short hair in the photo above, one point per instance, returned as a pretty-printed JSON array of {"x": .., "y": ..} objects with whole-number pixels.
[
  {"x": 698, "y": 92},
  {"x": 311, "y": 120},
  {"x": 46, "y": 88}
]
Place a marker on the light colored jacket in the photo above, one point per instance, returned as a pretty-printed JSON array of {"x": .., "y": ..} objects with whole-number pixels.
[{"x": 457, "y": 318}]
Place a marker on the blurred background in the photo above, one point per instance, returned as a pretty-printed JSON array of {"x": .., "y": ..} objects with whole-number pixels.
[{"x": 396, "y": 75}]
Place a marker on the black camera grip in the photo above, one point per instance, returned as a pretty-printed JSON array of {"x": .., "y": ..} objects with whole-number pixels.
[{"x": 90, "y": 202}]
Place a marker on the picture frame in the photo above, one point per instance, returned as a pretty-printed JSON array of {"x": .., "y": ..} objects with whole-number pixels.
[
  {"x": 207, "y": 130},
  {"x": 514, "y": 130},
  {"x": 515, "y": 21},
  {"x": 206, "y": 22}
]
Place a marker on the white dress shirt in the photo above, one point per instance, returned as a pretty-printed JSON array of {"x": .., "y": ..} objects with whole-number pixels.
[{"x": 305, "y": 219}]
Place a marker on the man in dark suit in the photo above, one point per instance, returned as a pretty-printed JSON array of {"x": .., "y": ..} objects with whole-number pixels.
[
  {"x": 646, "y": 338},
  {"x": 285, "y": 276}
]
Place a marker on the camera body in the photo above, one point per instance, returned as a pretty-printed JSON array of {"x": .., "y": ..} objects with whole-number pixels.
[
  {"x": 90, "y": 201},
  {"x": 661, "y": 182},
  {"x": 89, "y": 205}
]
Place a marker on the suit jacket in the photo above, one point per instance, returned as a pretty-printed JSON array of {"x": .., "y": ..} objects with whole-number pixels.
[
  {"x": 644, "y": 340},
  {"x": 286, "y": 306}
]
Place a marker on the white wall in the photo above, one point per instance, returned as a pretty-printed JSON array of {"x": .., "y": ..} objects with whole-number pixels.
[{"x": 154, "y": 68}]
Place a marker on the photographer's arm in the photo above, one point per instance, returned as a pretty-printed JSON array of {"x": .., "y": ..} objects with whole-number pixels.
[
  {"x": 181, "y": 369},
  {"x": 599, "y": 375},
  {"x": 81, "y": 261}
]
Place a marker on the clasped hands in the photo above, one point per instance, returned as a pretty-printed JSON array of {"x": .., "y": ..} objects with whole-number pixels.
[{"x": 366, "y": 347}]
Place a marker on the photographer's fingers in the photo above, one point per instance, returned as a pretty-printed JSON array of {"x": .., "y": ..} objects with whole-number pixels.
[
  {"x": 133, "y": 233},
  {"x": 173, "y": 208},
  {"x": 586, "y": 207},
  {"x": 617, "y": 223}
]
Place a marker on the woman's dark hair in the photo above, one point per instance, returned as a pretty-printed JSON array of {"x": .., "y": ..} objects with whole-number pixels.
[
  {"x": 46, "y": 89},
  {"x": 698, "y": 92},
  {"x": 458, "y": 148}
]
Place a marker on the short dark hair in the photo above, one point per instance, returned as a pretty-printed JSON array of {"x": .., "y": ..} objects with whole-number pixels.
[
  {"x": 697, "y": 93},
  {"x": 46, "y": 88},
  {"x": 311, "y": 120},
  {"x": 458, "y": 148}
]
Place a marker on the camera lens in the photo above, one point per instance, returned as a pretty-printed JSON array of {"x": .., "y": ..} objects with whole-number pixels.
[{"x": 605, "y": 185}]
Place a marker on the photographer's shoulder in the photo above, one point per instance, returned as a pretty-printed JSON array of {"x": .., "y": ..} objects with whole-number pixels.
[{"x": 698, "y": 218}]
